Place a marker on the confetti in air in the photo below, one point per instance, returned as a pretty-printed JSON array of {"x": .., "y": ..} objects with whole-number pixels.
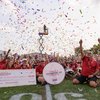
[
  {"x": 81, "y": 11},
  {"x": 67, "y": 20}
]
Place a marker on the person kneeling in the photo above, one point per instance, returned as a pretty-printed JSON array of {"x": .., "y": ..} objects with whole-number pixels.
[
  {"x": 39, "y": 73},
  {"x": 89, "y": 70}
]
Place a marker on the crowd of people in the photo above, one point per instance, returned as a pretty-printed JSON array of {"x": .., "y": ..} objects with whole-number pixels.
[{"x": 84, "y": 67}]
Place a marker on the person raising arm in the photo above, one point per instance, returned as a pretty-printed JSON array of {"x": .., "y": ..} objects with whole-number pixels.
[
  {"x": 4, "y": 61},
  {"x": 90, "y": 69}
]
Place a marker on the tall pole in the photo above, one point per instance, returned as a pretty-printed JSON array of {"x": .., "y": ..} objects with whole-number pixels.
[{"x": 41, "y": 34}]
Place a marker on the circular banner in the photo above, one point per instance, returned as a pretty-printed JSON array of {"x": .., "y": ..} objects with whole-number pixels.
[{"x": 54, "y": 73}]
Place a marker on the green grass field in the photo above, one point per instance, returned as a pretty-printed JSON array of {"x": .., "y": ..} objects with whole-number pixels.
[
  {"x": 65, "y": 87},
  {"x": 6, "y": 93}
]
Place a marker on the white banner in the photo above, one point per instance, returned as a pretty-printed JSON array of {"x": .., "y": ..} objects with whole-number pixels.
[{"x": 18, "y": 77}]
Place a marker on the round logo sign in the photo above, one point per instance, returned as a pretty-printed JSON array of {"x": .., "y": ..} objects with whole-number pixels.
[{"x": 54, "y": 73}]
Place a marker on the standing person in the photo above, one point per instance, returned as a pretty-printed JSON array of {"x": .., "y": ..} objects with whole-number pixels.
[
  {"x": 89, "y": 69},
  {"x": 4, "y": 62}
]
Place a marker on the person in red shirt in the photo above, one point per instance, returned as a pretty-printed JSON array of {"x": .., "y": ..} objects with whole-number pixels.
[
  {"x": 73, "y": 65},
  {"x": 39, "y": 72},
  {"x": 4, "y": 62},
  {"x": 89, "y": 70}
]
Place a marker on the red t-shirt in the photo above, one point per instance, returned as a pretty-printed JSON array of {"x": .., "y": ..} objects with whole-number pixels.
[
  {"x": 3, "y": 64},
  {"x": 73, "y": 66},
  {"x": 98, "y": 64},
  {"x": 40, "y": 67},
  {"x": 88, "y": 66}
]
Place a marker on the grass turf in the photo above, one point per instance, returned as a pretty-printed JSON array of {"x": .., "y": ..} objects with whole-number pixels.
[
  {"x": 67, "y": 87},
  {"x": 7, "y": 92}
]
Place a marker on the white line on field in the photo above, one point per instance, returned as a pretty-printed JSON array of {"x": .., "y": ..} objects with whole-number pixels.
[{"x": 48, "y": 92}]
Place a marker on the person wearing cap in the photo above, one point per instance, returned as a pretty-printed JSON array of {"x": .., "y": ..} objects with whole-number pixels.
[
  {"x": 25, "y": 64},
  {"x": 89, "y": 70}
]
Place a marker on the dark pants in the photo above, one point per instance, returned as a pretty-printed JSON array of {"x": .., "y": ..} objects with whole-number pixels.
[{"x": 83, "y": 79}]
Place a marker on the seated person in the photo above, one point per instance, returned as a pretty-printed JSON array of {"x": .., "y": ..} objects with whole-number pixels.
[
  {"x": 39, "y": 72},
  {"x": 89, "y": 70}
]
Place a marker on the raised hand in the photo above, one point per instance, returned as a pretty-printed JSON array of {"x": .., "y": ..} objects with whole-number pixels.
[
  {"x": 81, "y": 48},
  {"x": 80, "y": 42},
  {"x": 7, "y": 54}
]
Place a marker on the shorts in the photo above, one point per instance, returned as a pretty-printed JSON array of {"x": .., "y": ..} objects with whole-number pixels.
[
  {"x": 37, "y": 80},
  {"x": 83, "y": 79}
]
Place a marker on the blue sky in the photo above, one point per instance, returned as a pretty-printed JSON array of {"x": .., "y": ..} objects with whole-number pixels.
[{"x": 68, "y": 21}]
